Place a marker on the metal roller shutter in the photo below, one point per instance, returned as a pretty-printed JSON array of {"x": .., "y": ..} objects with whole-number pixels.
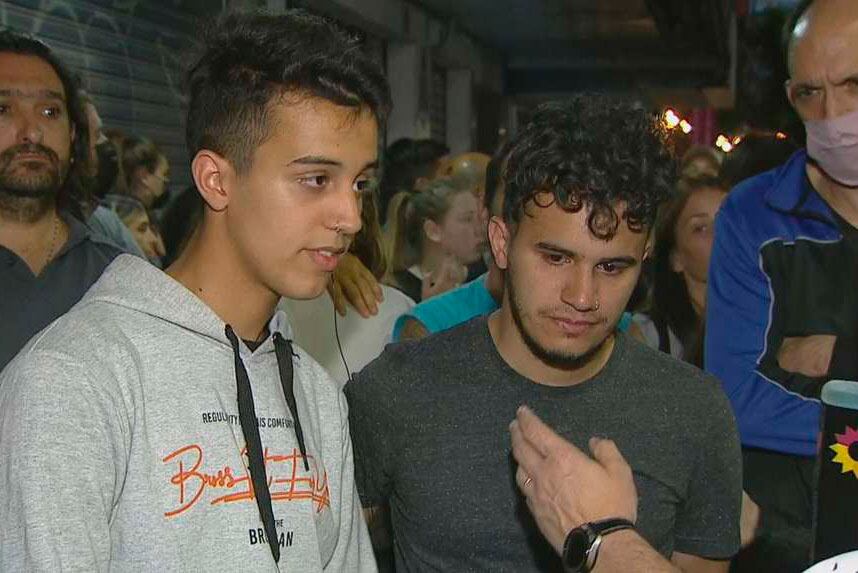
[
  {"x": 130, "y": 56},
  {"x": 438, "y": 105}
]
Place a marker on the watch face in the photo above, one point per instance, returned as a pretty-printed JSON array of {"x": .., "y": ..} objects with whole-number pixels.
[{"x": 576, "y": 549}]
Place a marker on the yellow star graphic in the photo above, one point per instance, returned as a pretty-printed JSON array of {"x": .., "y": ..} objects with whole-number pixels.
[{"x": 844, "y": 459}]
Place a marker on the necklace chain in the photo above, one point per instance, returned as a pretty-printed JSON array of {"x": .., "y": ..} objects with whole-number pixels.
[{"x": 53, "y": 244}]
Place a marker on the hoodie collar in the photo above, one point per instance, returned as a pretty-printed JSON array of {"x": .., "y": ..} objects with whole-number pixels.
[
  {"x": 135, "y": 284},
  {"x": 279, "y": 323}
]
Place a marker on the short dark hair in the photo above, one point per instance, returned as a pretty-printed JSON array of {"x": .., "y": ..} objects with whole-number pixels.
[
  {"x": 72, "y": 196},
  {"x": 249, "y": 59},
  {"x": 591, "y": 151}
]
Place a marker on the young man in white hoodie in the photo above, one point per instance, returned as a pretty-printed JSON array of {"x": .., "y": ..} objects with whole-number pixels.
[{"x": 166, "y": 422}]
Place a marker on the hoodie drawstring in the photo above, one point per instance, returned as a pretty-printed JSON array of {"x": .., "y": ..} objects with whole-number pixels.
[
  {"x": 283, "y": 351},
  {"x": 250, "y": 428}
]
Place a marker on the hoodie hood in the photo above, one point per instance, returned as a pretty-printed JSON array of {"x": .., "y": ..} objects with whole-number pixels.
[{"x": 136, "y": 285}]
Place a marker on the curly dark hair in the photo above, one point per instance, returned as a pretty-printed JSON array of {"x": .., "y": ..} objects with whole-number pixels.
[
  {"x": 73, "y": 196},
  {"x": 248, "y": 59},
  {"x": 591, "y": 151}
]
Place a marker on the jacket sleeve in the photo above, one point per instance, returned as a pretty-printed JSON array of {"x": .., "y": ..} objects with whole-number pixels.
[
  {"x": 354, "y": 549},
  {"x": 62, "y": 460},
  {"x": 737, "y": 320}
]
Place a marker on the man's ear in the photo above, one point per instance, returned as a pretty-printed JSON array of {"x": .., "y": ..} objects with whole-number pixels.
[
  {"x": 500, "y": 239},
  {"x": 214, "y": 177}
]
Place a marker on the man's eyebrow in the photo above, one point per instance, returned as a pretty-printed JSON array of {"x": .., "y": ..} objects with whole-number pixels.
[
  {"x": 806, "y": 84},
  {"x": 321, "y": 160},
  {"x": 46, "y": 93},
  {"x": 545, "y": 246},
  {"x": 315, "y": 160},
  {"x": 628, "y": 261},
  {"x": 847, "y": 79}
]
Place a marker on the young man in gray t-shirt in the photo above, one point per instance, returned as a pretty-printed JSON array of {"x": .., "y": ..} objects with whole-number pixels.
[{"x": 429, "y": 420}]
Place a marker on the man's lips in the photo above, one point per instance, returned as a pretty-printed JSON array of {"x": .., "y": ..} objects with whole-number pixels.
[
  {"x": 31, "y": 157},
  {"x": 573, "y": 326},
  {"x": 28, "y": 152},
  {"x": 327, "y": 257}
]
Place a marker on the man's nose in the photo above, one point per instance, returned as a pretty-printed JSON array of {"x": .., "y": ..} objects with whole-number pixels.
[
  {"x": 28, "y": 129},
  {"x": 348, "y": 211},
  {"x": 579, "y": 290}
]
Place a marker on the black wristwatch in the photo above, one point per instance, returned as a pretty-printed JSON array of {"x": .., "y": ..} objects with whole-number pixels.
[{"x": 581, "y": 547}]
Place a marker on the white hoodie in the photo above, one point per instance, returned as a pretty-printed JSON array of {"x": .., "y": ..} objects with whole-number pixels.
[{"x": 121, "y": 449}]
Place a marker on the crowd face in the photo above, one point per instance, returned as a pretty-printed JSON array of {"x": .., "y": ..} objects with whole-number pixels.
[
  {"x": 36, "y": 133},
  {"x": 566, "y": 288},
  {"x": 144, "y": 234},
  {"x": 460, "y": 231},
  {"x": 150, "y": 185},
  {"x": 296, "y": 210},
  {"x": 694, "y": 233},
  {"x": 824, "y": 62}
]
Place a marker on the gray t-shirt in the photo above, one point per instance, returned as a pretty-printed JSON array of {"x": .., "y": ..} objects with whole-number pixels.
[{"x": 429, "y": 423}]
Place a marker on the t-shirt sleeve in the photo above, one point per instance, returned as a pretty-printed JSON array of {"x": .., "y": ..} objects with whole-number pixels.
[
  {"x": 62, "y": 455},
  {"x": 354, "y": 549},
  {"x": 372, "y": 433},
  {"x": 707, "y": 522}
]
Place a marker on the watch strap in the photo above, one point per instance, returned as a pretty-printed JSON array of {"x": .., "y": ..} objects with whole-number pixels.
[
  {"x": 594, "y": 531},
  {"x": 606, "y": 526}
]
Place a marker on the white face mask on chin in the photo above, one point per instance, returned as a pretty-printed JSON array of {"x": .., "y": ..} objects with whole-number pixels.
[{"x": 833, "y": 146}]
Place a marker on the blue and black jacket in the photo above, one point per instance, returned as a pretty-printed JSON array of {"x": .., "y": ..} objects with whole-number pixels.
[{"x": 783, "y": 265}]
